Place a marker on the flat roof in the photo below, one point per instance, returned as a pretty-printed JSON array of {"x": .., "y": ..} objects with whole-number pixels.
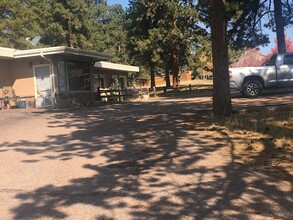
[
  {"x": 9, "y": 53},
  {"x": 115, "y": 66}
]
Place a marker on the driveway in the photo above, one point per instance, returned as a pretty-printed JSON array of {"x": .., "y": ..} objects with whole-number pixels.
[{"x": 143, "y": 160}]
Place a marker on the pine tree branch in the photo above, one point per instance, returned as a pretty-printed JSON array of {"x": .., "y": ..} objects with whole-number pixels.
[
  {"x": 255, "y": 12},
  {"x": 259, "y": 19},
  {"x": 288, "y": 7}
]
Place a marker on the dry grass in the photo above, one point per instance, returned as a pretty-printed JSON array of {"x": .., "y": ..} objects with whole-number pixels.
[
  {"x": 197, "y": 82},
  {"x": 262, "y": 138}
]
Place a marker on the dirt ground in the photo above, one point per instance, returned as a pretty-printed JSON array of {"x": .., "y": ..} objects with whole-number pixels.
[{"x": 156, "y": 159}]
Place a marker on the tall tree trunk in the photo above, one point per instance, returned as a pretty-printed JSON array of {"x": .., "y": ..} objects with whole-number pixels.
[
  {"x": 279, "y": 26},
  {"x": 221, "y": 93},
  {"x": 167, "y": 77},
  {"x": 70, "y": 42},
  {"x": 175, "y": 69},
  {"x": 153, "y": 75},
  {"x": 174, "y": 58}
]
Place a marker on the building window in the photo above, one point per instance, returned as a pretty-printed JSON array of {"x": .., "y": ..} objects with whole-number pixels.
[
  {"x": 102, "y": 82},
  {"x": 62, "y": 77},
  {"x": 121, "y": 80},
  {"x": 99, "y": 82},
  {"x": 78, "y": 76}
]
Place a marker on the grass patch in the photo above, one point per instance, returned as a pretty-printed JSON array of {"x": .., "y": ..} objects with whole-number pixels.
[
  {"x": 276, "y": 123},
  {"x": 261, "y": 137}
]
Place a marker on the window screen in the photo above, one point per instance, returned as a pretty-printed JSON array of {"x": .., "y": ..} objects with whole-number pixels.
[{"x": 78, "y": 76}]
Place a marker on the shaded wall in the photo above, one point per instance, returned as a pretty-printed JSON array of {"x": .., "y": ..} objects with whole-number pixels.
[
  {"x": 19, "y": 74},
  {"x": 4, "y": 75},
  {"x": 22, "y": 77}
]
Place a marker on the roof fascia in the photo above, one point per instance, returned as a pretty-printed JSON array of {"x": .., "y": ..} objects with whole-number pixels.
[
  {"x": 115, "y": 66},
  {"x": 7, "y": 53},
  {"x": 61, "y": 50}
]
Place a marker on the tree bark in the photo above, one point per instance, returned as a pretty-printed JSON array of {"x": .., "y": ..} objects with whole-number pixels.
[
  {"x": 153, "y": 75},
  {"x": 175, "y": 69},
  {"x": 279, "y": 26},
  {"x": 70, "y": 34},
  {"x": 221, "y": 93},
  {"x": 174, "y": 58},
  {"x": 167, "y": 77}
]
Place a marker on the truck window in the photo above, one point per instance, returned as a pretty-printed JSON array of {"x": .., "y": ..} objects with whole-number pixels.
[
  {"x": 288, "y": 59},
  {"x": 272, "y": 61}
]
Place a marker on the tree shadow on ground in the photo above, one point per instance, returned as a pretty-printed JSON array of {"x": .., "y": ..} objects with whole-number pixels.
[{"x": 152, "y": 160}]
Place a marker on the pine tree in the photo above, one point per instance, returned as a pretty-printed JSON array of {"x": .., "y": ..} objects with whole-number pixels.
[
  {"x": 243, "y": 30},
  {"x": 221, "y": 94},
  {"x": 110, "y": 32},
  {"x": 15, "y": 24},
  {"x": 71, "y": 23},
  {"x": 58, "y": 22},
  {"x": 140, "y": 22},
  {"x": 161, "y": 35}
]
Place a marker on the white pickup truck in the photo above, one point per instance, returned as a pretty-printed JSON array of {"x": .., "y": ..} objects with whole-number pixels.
[{"x": 276, "y": 73}]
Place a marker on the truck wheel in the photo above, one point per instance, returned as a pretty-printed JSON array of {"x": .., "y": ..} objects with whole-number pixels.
[{"x": 252, "y": 89}]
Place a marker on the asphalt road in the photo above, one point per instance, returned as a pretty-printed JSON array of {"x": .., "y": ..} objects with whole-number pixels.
[{"x": 143, "y": 160}]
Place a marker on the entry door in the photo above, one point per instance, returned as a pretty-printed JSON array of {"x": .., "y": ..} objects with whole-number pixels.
[
  {"x": 285, "y": 71},
  {"x": 43, "y": 87}
]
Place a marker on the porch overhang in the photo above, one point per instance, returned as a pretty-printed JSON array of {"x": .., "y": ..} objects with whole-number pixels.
[{"x": 115, "y": 66}]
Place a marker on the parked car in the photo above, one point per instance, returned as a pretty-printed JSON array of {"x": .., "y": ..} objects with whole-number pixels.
[{"x": 276, "y": 73}]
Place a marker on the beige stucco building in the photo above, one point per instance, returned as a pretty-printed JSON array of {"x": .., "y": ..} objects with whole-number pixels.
[{"x": 57, "y": 75}]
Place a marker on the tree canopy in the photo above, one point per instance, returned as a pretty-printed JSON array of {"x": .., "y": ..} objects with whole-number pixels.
[
  {"x": 86, "y": 24},
  {"x": 110, "y": 32},
  {"x": 161, "y": 33},
  {"x": 15, "y": 24}
]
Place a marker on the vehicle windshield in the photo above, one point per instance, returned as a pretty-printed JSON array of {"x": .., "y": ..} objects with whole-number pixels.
[{"x": 272, "y": 61}]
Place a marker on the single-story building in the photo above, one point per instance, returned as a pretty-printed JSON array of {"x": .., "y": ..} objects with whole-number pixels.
[{"x": 53, "y": 76}]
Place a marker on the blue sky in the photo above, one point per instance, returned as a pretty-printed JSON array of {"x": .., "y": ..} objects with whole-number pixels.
[
  {"x": 265, "y": 49},
  {"x": 124, "y": 3}
]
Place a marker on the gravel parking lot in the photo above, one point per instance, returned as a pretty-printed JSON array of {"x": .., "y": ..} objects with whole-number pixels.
[{"x": 140, "y": 160}]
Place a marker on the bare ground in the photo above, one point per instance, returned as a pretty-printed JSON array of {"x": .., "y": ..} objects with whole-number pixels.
[{"x": 159, "y": 159}]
